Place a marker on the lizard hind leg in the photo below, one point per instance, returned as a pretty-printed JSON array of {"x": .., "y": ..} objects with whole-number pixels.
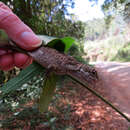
[{"x": 48, "y": 71}]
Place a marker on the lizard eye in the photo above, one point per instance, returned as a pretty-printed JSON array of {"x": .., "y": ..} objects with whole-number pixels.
[{"x": 94, "y": 72}]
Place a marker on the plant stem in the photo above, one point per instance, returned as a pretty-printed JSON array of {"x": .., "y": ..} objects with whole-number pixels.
[{"x": 99, "y": 96}]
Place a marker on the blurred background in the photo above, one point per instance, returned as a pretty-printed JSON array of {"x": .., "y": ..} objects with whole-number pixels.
[
  {"x": 102, "y": 32},
  {"x": 101, "y": 27}
]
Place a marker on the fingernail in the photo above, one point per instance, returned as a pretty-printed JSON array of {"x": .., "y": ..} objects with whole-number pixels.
[{"x": 30, "y": 39}]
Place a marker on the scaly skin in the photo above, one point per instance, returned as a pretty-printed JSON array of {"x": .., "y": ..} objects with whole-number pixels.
[{"x": 63, "y": 64}]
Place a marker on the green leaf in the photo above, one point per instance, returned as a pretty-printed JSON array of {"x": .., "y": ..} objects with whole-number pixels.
[
  {"x": 24, "y": 76},
  {"x": 57, "y": 44},
  {"x": 68, "y": 41},
  {"x": 46, "y": 39},
  {"x": 47, "y": 92},
  {"x": 60, "y": 44}
]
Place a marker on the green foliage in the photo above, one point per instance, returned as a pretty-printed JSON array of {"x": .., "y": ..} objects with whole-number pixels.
[
  {"x": 94, "y": 29},
  {"x": 29, "y": 113},
  {"x": 127, "y": 12},
  {"x": 123, "y": 54},
  {"x": 113, "y": 8},
  {"x": 105, "y": 49},
  {"x": 118, "y": 7},
  {"x": 48, "y": 17},
  {"x": 25, "y": 75}
]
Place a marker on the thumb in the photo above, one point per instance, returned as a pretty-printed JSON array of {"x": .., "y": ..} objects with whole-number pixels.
[{"x": 17, "y": 30}]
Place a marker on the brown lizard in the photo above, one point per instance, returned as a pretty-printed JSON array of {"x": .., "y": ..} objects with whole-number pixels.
[{"x": 63, "y": 64}]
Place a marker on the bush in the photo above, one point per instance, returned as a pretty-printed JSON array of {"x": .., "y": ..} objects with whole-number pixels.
[{"x": 123, "y": 54}]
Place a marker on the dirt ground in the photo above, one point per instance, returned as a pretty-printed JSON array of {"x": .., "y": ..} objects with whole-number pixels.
[
  {"x": 116, "y": 79},
  {"x": 89, "y": 112},
  {"x": 78, "y": 109}
]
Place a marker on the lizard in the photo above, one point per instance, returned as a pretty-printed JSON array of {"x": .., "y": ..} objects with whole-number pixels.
[{"x": 63, "y": 64}]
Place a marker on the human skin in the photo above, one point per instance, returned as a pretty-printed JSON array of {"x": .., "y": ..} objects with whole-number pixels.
[{"x": 21, "y": 34}]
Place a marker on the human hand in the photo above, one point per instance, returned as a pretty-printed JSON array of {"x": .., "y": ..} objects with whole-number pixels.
[{"x": 21, "y": 34}]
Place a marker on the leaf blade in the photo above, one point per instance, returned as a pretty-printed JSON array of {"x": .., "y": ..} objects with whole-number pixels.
[
  {"x": 68, "y": 41},
  {"x": 47, "y": 92},
  {"x": 24, "y": 76},
  {"x": 60, "y": 44}
]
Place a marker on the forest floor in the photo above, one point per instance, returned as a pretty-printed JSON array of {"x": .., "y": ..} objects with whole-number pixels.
[
  {"x": 78, "y": 109},
  {"x": 88, "y": 112}
]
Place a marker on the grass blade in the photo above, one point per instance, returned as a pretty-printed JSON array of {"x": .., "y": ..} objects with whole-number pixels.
[{"x": 24, "y": 76}]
